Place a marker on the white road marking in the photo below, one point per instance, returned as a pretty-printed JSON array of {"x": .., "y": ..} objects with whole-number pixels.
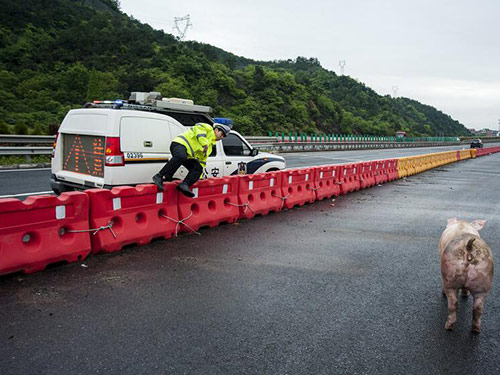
[
  {"x": 24, "y": 170},
  {"x": 25, "y": 194}
]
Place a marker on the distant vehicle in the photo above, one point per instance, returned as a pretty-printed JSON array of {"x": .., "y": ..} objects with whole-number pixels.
[
  {"x": 476, "y": 143},
  {"x": 400, "y": 134},
  {"x": 107, "y": 144}
]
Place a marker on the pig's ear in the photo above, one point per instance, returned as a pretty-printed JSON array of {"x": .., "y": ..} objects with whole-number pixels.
[
  {"x": 478, "y": 224},
  {"x": 451, "y": 221}
]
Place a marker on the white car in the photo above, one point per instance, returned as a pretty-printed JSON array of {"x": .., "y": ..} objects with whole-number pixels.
[{"x": 119, "y": 143}]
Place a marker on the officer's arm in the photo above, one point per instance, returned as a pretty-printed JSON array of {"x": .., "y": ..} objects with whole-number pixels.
[{"x": 201, "y": 136}]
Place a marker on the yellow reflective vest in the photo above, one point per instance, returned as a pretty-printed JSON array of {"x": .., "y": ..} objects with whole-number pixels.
[{"x": 195, "y": 139}]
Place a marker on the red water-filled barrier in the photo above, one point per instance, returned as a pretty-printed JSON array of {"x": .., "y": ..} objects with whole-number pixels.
[
  {"x": 486, "y": 151},
  {"x": 258, "y": 194},
  {"x": 381, "y": 171},
  {"x": 458, "y": 156},
  {"x": 392, "y": 169},
  {"x": 297, "y": 187},
  {"x": 350, "y": 177},
  {"x": 131, "y": 215},
  {"x": 42, "y": 230},
  {"x": 215, "y": 202},
  {"x": 326, "y": 181},
  {"x": 367, "y": 175}
]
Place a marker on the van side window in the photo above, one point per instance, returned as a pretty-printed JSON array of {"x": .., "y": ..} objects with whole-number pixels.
[
  {"x": 214, "y": 151},
  {"x": 234, "y": 146}
]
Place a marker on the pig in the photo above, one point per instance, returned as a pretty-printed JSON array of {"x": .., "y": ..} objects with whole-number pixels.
[{"x": 466, "y": 263}]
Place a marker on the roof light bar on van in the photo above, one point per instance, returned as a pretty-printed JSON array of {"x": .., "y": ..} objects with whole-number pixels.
[
  {"x": 113, "y": 155},
  {"x": 223, "y": 121},
  {"x": 116, "y": 103}
]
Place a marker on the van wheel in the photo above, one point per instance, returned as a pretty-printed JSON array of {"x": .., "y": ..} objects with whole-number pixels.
[{"x": 60, "y": 191}]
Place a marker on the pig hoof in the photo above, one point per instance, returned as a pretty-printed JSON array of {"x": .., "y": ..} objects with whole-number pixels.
[
  {"x": 449, "y": 326},
  {"x": 476, "y": 329}
]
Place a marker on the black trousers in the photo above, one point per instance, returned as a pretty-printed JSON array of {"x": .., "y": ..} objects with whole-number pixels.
[{"x": 180, "y": 157}]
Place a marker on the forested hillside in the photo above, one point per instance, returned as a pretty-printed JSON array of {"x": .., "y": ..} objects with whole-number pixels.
[{"x": 58, "y": 54}]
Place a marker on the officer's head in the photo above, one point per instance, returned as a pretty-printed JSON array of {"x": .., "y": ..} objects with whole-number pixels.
[{"x": 221, "y": 130}]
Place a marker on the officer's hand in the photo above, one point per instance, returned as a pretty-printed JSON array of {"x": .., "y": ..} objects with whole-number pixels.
[{"x": 205, "y": 148}]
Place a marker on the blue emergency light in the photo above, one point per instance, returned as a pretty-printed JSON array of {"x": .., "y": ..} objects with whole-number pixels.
[{"x": 223, "y": 121}]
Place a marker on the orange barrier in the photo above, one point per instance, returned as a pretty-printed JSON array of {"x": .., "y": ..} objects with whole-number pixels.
[
  {"x": 326, "y": 181},
  {"x": 380, "y": 171},
  {"x": 42, "y": 230},
  {"x": 259, "y": 194},
  {"x": 350, "y": 177},
  {"x": 486, "y": 151},
  {"x": 297, "y": 187},
  {"x": 215, "y": 202},
  {"x": 367, "y": 175},
  {"x": 131, "y": 215}
]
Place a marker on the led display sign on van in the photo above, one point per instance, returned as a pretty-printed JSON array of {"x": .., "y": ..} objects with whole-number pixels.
[{"x": 84, "y": 154}]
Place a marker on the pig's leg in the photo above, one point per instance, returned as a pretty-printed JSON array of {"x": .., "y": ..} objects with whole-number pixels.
[
  {"x": 478, "y": 310},
  {"x": 465, "y": 292},
  {"x": 452, "y": 296}
]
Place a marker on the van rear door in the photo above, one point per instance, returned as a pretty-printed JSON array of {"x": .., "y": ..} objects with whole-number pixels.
[{"x": 145, "y": 142}]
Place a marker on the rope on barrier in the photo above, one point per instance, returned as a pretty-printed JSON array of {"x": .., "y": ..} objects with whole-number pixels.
[
  {"x": 282, "y": 199},
  {"x": 178, "y": 223},
  {"x": 246, "y": 205},
  {"x": 95, "y": 230}
]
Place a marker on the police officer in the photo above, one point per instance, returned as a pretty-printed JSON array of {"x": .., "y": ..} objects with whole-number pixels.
[{"x": 191, "y": 149}]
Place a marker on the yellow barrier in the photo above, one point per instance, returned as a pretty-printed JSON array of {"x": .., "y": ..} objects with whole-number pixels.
[
  {"x": 465, "y": 154},
  {"x": 410, "y": 165}
]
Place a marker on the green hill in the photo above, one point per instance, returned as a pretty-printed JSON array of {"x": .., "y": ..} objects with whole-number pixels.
[{"x": 58, "y": 54}]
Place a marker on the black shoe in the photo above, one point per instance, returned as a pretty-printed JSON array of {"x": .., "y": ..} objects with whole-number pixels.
[
  {"x": 184, "y": 189},
  {"x": 158, "y": 180}
]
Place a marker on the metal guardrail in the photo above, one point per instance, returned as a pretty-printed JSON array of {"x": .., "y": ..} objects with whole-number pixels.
[
  {"x": 341, "y": 146},
  {"x": 9, "y": 145},
  {"x": 25, "y": 150},
  {"x": 259, "y": 142},
  {"x": 26, "y": 139}
]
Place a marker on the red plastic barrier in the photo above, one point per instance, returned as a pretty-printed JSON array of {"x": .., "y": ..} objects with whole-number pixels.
[
  {"x": 392, "y": 169},
  {"x": 367, "y": 176},
  {"x": 298, "y": 187},
  {"x": 486, "y": 151},
  {"x": 39, "y": 231},
  {"x": 326, "y": 181},
  {"x": 350, "y": 177},
  {"x": 215, "y": 201},
  {"x": 258, "y": 194},
  {"x": 131, "y": 215},
  {"x": 380, "y": 171}
]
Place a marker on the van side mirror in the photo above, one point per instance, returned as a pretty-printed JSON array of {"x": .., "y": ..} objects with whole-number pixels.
[{"x": 254, "y": 152}]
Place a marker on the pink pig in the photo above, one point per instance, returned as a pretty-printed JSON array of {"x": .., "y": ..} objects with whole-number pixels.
[{"x": 467, "y": 264}]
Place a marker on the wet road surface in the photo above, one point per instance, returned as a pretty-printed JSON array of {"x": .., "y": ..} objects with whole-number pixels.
[{"x": 344, "y": 287}]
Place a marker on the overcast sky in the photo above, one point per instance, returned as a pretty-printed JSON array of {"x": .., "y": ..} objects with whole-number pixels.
[{"x": 445, "y": 53}]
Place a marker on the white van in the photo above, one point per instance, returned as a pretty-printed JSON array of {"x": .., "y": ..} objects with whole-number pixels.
[{"x": 118, "y": 143}]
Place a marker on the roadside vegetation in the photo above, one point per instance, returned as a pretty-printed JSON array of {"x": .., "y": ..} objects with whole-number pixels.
[{"x": 57, "y": 55}]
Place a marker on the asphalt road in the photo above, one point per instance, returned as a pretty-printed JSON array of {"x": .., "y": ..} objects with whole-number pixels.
[
  {"x": 36, "y": 181},
  {"x": 350, "y": 287}
]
